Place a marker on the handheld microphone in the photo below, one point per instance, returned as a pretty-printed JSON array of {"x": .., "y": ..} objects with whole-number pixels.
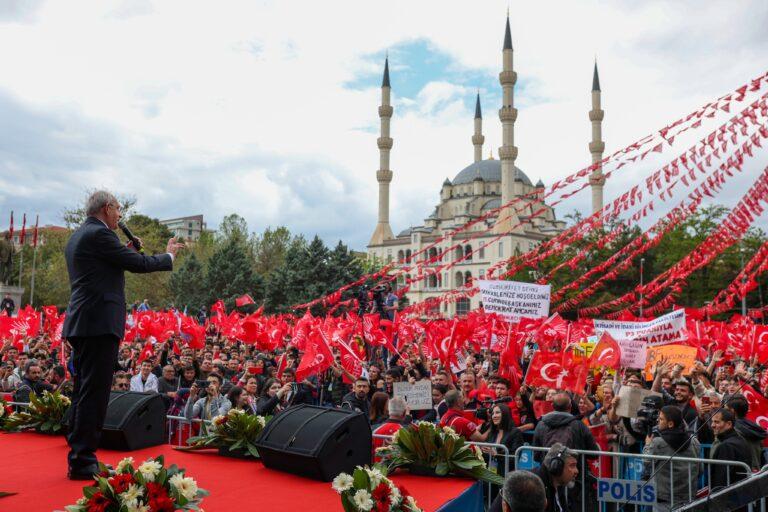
[{"x": 129, "y": 235}]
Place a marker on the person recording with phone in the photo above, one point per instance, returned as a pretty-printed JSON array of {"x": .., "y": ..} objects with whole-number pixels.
[
  {"x": 95, "y": 319},
  {"x": 205, "y": 399}
]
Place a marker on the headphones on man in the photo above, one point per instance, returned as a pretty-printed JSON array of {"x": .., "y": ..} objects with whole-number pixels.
[{"x": 556, "y": 463}]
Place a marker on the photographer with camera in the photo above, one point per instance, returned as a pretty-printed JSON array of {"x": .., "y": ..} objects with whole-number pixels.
[
  {"x": 668, "y": 438},
  {"x": 205, "y": 400}
]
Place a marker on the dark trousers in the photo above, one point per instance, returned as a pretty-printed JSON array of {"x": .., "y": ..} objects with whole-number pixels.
[{"x": 93, "y": 360}]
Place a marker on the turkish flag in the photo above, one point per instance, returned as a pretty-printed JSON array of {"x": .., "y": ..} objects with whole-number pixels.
[
  {"x": 317, "y": 358},
  {"x": 146, "y": 352},
  {"x": 606, "y": 353},
  {"x": 546, "y": 369},
  {"x": 758, "y": 406},
  {"x": 760, "y": 342},
  {"x": 244, "y": 300},
  {"x": 192, "y": 332}
]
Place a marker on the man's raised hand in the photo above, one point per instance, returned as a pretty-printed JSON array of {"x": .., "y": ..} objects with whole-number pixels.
[{"x": 173, "y": 246}]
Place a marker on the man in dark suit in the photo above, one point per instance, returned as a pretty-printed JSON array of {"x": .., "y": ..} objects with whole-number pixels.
[{"x": 95, "y": 321}]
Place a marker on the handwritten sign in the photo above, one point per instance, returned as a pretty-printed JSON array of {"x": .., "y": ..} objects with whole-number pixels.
[
  {"x": 417, "y": 396},
  {"x": 630, "y": 399},
  {"x": 633, "y": 353},
  {"x": 674, "y": 354},
  {"x": 514, "y": 300},
  {"x": 663, "y": 330}
]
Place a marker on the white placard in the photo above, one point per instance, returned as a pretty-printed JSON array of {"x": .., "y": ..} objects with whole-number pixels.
[
  {"x": 514, "y": 300},
  {"x": 630, "y": 400},
  {"x": 663, "y": 330},
  {"x": 417, "y": 396},
  {"x": 633, "y": 353}
]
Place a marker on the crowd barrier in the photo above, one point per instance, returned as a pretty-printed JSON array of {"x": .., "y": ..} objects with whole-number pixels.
[{"x": 610, "y": 471}]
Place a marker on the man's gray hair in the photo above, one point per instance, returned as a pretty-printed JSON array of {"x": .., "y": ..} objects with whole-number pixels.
[
  {"x": 524, "y": 492},
  {"x": 98, "y": 200},
  {"x": 396, "y": 406}
]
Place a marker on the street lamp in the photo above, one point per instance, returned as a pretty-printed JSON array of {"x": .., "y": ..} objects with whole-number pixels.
[{"x": 642, "y": 264}]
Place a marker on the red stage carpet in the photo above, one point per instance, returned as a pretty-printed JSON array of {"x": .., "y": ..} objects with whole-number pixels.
[{"x": 34, "y": 466}]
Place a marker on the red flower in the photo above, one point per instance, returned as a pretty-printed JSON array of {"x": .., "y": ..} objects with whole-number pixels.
[
  {"x": 98, "y": 502},
  {"x": 162, "y": 504},
  {"x": 403, "y": 491},
  {"x": 381, "y": 495},
  {"x": 120, "y": 483},
  {"x": 159, "y": 501}
]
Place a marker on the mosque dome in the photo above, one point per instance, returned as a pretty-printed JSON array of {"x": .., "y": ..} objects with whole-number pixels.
[{"x": 489, "y": 170}]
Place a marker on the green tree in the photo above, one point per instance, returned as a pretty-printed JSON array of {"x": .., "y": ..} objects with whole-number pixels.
[
  {"x": 187, "y": 284},
  {"x": 269, "y": 249},
  {"x": 230, "y": 274}
]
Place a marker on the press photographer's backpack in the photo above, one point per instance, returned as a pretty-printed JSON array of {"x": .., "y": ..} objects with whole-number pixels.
[{"x": 562, "y": 435}]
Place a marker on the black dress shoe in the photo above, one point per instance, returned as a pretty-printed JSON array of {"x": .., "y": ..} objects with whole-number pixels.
[{"x": 86, "y": 473}]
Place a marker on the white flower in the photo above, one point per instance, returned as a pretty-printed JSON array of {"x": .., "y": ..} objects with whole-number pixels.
[
  {"x": 82, "y": 501},
  {"x": 65, "y": 400},
  {"x": 362, "y": 500},
  {"x": 375, "y": 476},
  {"x": 449, "y": 431},
  {"x": 261, "y": 421},
  {"x": 186, "y": 486},
  {"x": 122, "y": 466},
  {"x": 478, "y": 452},
  {"x": 235, "y": 412},
  {"x": 138, "y": 507},
  {"x": 218, "y": 420},
  {"x": 412, "y": 503},
  {"x": 149, "y": 470},
  {"x": 131, "y": 495},
  {"x": 394, "y": 491},
  {"x": 342, "y": 483}
]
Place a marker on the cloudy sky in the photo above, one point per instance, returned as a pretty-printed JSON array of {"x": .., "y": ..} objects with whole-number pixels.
[{"x": 269, "y": 108}]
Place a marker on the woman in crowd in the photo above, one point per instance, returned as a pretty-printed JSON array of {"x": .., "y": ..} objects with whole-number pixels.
[
  {"x": 212, "y": 404},
  {"x": 378, "y": 413},
  {"x": 187, "y": 377},
  {"x": 501, "y": 430},
  {"x": 271, "y": 400},
  {"x": 251, "y": 393},
  {"x": 238, "y": 398}
]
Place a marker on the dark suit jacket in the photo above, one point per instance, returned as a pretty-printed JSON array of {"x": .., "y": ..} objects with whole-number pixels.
[{"x": 96, "y": 261}]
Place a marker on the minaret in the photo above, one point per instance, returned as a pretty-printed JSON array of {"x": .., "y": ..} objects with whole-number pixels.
[
  {"x": 597, "y": 146},
  {"x": 384, "y": 174},
  {"x": 478, "y": 138},
  {"x": 507, "y": 218}
]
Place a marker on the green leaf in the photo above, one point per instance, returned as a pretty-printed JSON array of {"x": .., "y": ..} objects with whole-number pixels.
[
  {"x": 441, "y": 468},
  {"x": 88, "y": 492}
]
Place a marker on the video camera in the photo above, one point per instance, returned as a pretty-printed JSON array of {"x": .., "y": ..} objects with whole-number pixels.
[{"x": 648, "y": 414}]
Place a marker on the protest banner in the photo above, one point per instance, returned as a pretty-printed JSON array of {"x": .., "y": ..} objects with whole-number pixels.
[
  {"x": 417, "y": 396},
  {"x": 583, "y": 350},
  {"x": 630, "y": 399},
  {"x": 663, "y": 330},
  {"x": 633, "y": 353},
  {"x": 514, "y": 300},
  {"x": 674, "y": 354}
]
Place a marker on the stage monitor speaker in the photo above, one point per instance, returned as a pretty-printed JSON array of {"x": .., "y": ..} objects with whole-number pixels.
[
  {"x": 316, "y": 442},
  {"x": 134, "y": 421}
]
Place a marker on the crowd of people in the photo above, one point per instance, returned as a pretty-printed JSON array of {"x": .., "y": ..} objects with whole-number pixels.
[{"x": 703, "y": 414}]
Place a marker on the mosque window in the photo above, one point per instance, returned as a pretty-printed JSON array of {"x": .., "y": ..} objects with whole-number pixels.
[
  {"x": 459, "y": 253},
  {"x": 462, "y": 306},
  {"x": 468, "y": 252},
  {"x": 400, "y": 255},
  {"x": 389, "y": 255},
  {"x": 501, "y": 249},
  {"x": 481, "y": 252},
  {"x": 459, "y": 279}
]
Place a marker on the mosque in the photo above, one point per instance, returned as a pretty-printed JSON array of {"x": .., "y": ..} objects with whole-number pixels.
[{"x": 479, "y": 188}]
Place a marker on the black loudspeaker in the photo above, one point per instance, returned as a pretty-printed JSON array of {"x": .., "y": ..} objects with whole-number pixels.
[
  {"x": 316, "y": 442},
  {"x": 134, "y": 421}
]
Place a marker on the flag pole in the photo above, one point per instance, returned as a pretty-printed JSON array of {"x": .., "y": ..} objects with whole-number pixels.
[
  {"x": 21, "y": 265},
  {"x": 32, "y": 285}
]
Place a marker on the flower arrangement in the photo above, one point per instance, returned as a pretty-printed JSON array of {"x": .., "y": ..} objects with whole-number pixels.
[
  {"x": 423, "y": 445},
  {"x": 369, "y": 489},
  {"x": 148, "y": 487},
  {"x": 5, "y": 412},
  {"x": 236, "y": 431},
  {"x": 45, "y": 414}
]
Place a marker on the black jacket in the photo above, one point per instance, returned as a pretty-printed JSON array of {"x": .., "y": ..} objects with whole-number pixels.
[
  {"x": 350, "y": 401},
  {"x": 96, "y": 261},
  {"x": 567, "y": 499},
  {"x": 754, "y": 435},
  {"x": 581, "y": 436},
  {"x": 733, "y": 447}
]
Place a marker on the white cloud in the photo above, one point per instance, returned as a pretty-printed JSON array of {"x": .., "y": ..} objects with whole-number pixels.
[{"x": 197, "y": 107}]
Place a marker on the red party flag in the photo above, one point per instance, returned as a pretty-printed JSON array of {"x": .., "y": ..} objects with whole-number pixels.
[
  {"x": 23, "y": 229},
  {"x": 146, "y": 352},
  {"x": 317, "y": 358},
  {"x": 34, "y": 238},
  {"x": 244, "y": 300},
  {"x": 758, "y": 406}
]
